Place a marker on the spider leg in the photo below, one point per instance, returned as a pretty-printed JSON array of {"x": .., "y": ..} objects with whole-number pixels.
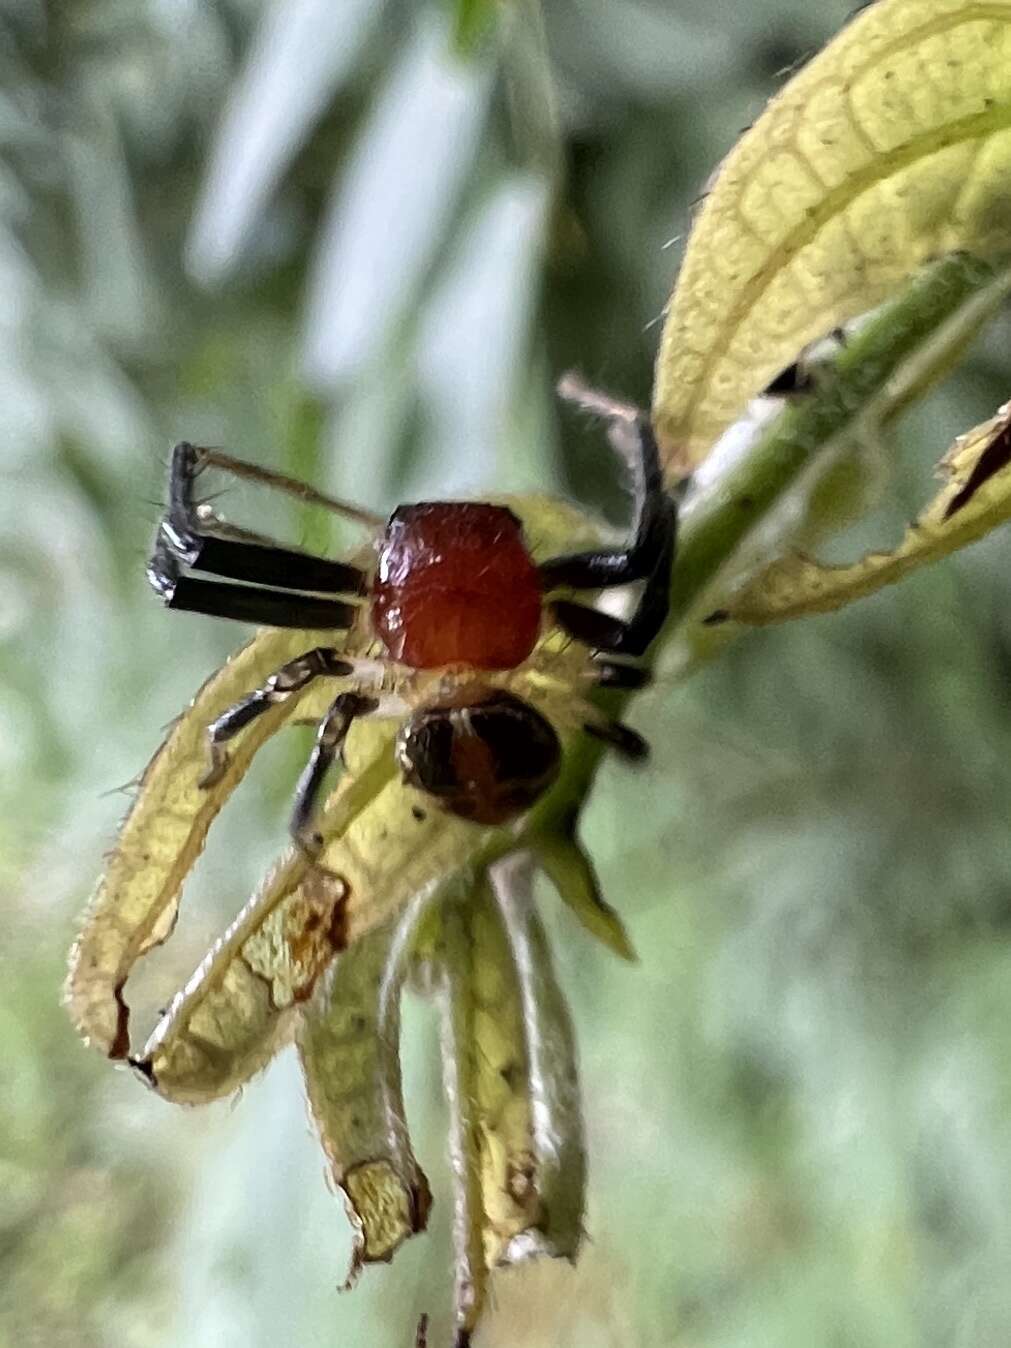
[
  {"x": 596, "y": 722},
  {"x": 802, "y": 375},
  {"x": 293, "y": 486},
  {"x": 615, "y": 734},
  {"x": 245, "y": 603},
  {"x": 654, "y": 526},
  {"x": 333, "y": 731},
  {"x": 610, "y": 674},
  {"x": 184, "y": 533},
  {"x": 648, "y": 557},
  {"x": 614, "y": 636},
  {"x": 620, "y": 737},
  {"x": 290, "y": 678}
]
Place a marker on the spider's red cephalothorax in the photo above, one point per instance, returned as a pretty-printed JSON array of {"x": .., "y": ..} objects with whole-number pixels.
[
  {"x": 455, "y": 585},
  {"x": 456, "y": 602}
]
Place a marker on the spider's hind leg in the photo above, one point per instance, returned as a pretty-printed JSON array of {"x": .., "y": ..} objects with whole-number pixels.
[
  {"x": 596, "y": 722},
  {"x": 648, "y": 557},
  {"x": 620, "y": 737}
]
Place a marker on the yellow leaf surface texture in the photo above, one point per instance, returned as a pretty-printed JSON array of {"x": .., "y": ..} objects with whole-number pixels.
[{"x": 890, "y": 148}]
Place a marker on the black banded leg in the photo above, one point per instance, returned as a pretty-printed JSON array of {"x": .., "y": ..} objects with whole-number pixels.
[
  {"x": 290, "y": 678},
  {"x": 653, "y": 528},
  {"x": 620, "y": 737},
  {"x": 615, "y": 636},
  {"x": 795, "y": 378},
  {"x": 649, "y": 557},
  {"x": 184, "y": 535},
  {"x": 244, "y": 603},
  {"x": 615, "y": 734},
  {"x": 333, "y": 731}
]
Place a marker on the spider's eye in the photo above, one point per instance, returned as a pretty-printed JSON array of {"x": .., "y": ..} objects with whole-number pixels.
[{"x": 487, "y": 760}]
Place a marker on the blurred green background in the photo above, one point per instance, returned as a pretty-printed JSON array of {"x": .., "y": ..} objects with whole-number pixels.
[{"x": 308, "y": 231}]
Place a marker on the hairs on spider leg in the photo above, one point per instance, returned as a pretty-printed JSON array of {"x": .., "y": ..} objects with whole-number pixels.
[{"x": 573, "y": 388}]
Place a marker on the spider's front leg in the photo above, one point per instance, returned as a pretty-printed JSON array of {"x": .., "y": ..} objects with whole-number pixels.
[
  {"x": 649, "y": 556},
  {"x": 185, "y": 538},
  {"x": 291, "y": 678}
]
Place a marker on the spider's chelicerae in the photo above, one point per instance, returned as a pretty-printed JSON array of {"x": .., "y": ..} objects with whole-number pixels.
[{"x": 454, "y": 605}]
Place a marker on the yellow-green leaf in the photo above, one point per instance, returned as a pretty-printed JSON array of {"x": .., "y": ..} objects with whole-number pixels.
[
  {"x": 471, "y": 21},
  {"x": 566, "y": 864},
  {"x": 519, "y": 1163},
  {"x": 975, "y": 499},
  {"x": 134, "y": 906},
  {"x": 380, "y": 851},
  {"x": 485, "y": 1072},
  {"x": 553, "y": 1077},
  {"x": 890, "y": 147},
  {"x": 349, "y": 1042}
]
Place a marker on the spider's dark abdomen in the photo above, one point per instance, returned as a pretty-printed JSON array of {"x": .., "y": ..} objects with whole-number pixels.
[
  {"x": 456, "y": 585},
  {"x": 486, "y": 760}
]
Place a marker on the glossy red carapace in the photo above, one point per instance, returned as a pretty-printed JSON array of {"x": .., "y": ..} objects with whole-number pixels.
[{"x": 456, "y": 585}]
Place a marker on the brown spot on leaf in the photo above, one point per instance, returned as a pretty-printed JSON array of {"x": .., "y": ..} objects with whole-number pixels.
[
  {"x": 120, "y": 1046},
  {"x": 421, "y": 1204},
  {"x": 996, "y": 456},
  {"x": 300, "y": 938},
  {"x": 512, "y": 1074},
  {"x": 338, "y": 933},
  {"x": 520, "y": 1178}
]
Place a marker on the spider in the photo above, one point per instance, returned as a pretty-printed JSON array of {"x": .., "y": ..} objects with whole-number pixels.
[{"x": 456, "y": 606}]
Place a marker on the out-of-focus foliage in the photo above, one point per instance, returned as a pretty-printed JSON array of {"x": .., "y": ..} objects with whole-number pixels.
[{"x": 308, "y": 231}]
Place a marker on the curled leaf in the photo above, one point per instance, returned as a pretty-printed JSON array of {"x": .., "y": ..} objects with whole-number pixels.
[
  {"x": 892, "y": 146},
  {"x": 486, "y": 1077},
  {"x": 380, "y": 851},
  {"x": 509, "y": 1066},
  {"x": 135, "y": 904},
  {"x": 556, "y": 1109},
  {"x": 348, "y": 1042},
  {"x": 975, "y": 499}
]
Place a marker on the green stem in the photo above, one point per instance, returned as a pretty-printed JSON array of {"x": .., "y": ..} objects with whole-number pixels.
[{"x": 722, "y": 516}]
